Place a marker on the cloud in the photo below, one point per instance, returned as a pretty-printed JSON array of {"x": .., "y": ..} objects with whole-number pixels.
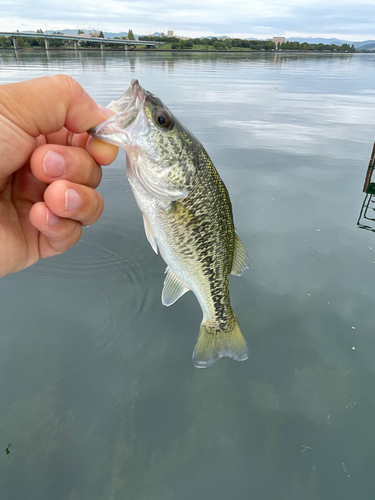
[
  {"x": 256, "y": 18},
  {"x": 328, "y": 116}
]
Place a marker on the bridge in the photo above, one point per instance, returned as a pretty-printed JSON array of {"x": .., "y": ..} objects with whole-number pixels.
[{"x": 76, "y": 39}]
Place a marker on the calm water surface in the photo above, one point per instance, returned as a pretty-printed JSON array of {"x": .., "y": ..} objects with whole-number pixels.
[{"x": 99, "y": 399}]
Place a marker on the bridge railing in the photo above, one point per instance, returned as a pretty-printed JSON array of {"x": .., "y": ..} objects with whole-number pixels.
[{"x": 76, "y": 39}]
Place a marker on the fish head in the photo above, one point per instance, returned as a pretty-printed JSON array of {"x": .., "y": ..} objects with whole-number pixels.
[{"x": 159, "y": 149}]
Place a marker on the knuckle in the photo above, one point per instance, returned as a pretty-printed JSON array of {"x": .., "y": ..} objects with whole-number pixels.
[
  {"x": 69, "y": 85},
  {"x": 96, "y": 174},
  {"x": 95, "y": 209},
  {"x": 99, "y": 206},
  {"x": 69, "y": 237}
]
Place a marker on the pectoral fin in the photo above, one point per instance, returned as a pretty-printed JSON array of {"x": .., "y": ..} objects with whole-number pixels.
[
  {"x": 150, "y": 234},
  {"x": 173, "y": 288},
  {"x": 240, "y": 258}
]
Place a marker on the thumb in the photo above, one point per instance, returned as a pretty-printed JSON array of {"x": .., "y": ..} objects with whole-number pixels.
[
  {"x": 46, "y": 105},
  {"x": 41, "y": 106}
]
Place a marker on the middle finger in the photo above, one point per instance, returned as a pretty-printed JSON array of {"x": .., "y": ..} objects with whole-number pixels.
[{"x": 50, "y": 162}]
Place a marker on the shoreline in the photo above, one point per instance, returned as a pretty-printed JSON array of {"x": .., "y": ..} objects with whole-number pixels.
[{"x": 89, "y": 49}]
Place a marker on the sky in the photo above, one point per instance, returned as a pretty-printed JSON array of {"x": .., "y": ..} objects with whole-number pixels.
[{"x": 343, "y": 19}]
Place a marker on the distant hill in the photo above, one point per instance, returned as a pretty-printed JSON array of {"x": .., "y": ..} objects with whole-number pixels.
[
  {"x": 367, "y": 46},
  {"x": 361, "y": 45},
  {"x": 107, "y": 34},
  {"x": 336, "y": 41},
  {"x": 326, "y": 41},
  {"x": 218, "y": 37}
]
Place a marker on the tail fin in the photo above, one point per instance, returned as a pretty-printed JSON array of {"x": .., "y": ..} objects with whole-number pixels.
[{"x": 214, "y": 344}]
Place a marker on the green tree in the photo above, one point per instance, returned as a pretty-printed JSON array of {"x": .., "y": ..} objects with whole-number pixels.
[
  {"x": 345, "y": 47},
  {"x": 131, "y": 35},
  {"x": 39, "y": 31},
  {"x": 227, "y": 44},
  {"x": 36, "y": 42},
  {"x": 80, "y": 32},
  {"x": 101, "y": 34},
  {"x": 22, "y": 42},
  {"x": 5, "y": 41}
]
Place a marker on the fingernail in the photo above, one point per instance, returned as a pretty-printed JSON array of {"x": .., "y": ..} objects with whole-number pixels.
[
  {"x": 54, "y": 164},
  {"x": 72, "y": 200},
  {"x": 52, "y": 219}
]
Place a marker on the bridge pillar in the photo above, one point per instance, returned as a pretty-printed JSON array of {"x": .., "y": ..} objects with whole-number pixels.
[
  {"x": 46, "y": 42},
  {"x": 126, "y": 46},
  {"x": 15, "y": 45},
  {"x": 75, "y": 44},
  {"x": 102, "y": 46}
]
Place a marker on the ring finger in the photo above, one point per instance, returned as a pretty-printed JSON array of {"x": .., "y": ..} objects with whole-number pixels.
[{"x": 74, "y": 201}]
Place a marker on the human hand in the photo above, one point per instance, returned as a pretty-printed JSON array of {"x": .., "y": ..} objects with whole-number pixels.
[{"x": 49, "y": 168}]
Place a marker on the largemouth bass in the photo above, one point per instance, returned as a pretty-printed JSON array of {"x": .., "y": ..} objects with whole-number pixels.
[{"x": 187, "y": 215}]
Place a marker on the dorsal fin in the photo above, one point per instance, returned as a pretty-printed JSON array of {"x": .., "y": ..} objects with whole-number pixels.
[
  {"x": 240, "y": 258},
  {"x": 173, "y": 288}
]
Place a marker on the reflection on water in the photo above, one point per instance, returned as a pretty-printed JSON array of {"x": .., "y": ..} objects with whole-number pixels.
[
  {"x": 367, "y": 213},
  {"x": 99, "y": 399}
]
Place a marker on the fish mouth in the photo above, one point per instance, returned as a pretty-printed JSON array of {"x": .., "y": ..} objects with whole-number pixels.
[
  {"x": 130, "y": 100},
  {"x": 129, "y": 121}
]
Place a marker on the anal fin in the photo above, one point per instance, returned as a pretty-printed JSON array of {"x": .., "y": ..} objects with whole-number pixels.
[
  {"x": 173, "y": 288},
  {"x": 240, "y": 258}
]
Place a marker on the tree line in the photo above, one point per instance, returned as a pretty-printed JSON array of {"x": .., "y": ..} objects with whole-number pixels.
[
  {"x": 240, "y": 44},
  {"x": 176, "y": 43},
  {"x": 211, "y": 43},
  {"x": 316, "y": 47}
]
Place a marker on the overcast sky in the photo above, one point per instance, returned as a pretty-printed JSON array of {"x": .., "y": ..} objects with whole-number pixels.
[{"x": 344, "y": 19}]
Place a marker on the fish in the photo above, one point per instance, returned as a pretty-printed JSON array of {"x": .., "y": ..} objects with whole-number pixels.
[{"x": 187, "y": 215}]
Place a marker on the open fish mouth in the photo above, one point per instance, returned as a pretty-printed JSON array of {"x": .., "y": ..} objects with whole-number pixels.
[
  {"x": 129, "y": 121},
  {"x": 131, "y": 99}
]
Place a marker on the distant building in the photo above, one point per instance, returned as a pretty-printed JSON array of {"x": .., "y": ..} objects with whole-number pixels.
[
  {"x": 278, "y": 40},
  {"x": 170, "y": 33}
]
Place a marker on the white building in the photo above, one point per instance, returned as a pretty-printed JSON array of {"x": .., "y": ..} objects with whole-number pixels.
[{"x": 278, "y": 40}]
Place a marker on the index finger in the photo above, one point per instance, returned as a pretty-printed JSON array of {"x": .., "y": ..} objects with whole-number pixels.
[
  {"x": 44, "y": 106},
  {"x": 102, "y": 152},
  {"x": 47, "y": 104}
]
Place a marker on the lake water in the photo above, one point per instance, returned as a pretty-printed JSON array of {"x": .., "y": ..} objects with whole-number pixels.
[{"x": 99, "y": 399}]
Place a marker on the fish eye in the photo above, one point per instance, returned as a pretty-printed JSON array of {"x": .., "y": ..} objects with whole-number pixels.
[{"x": 162, "y": 119}]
